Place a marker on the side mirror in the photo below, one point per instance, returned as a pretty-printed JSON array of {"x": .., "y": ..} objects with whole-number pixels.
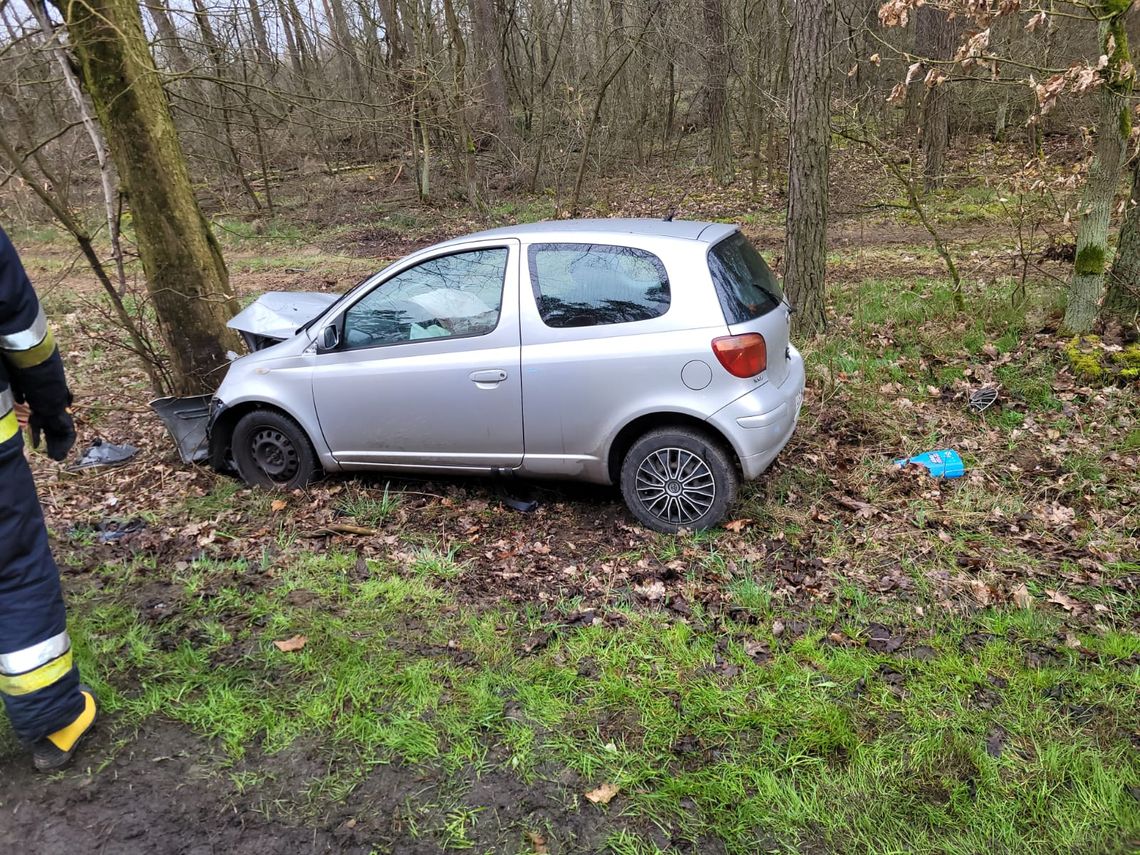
[{"x": 330, "y": 337}]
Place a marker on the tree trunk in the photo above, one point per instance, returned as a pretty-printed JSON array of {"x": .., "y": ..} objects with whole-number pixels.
[
  {"x": 716, "y": 89},
  {"x": 186, "y": 276},
  {"x": 1123, "y": 298},
  {"x": 295, "y": 59},
  {"x": 809, "y": 144},
  {"x": 936, "y": 104},
  {"x": 495, "y": 87},
  {"x": 223, "y": 94},
  {"x": 260, "y": 37},
  {"x": 459, "y": 105},
  {"x": 1114, "y": 126},
  {"x": 345, "y": 46},
  {"x": 168, "y": 37}
]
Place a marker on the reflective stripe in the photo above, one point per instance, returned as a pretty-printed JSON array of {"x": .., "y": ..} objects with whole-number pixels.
[
  {"x": 9, "y": 424},
  {"x": 34, "y": 355},
  {"x": 34, "y": 656},
  {"x": 29, "y": 338},
  {"x": 40, "y": 678}
]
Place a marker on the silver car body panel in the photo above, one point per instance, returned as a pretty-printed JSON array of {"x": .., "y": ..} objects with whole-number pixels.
[
  {"x": 279, "y": 314},
  {"x": 559, "y": 397}
]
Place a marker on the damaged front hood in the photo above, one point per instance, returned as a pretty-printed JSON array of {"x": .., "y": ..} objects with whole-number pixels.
[{"x": 277, "y": 315}]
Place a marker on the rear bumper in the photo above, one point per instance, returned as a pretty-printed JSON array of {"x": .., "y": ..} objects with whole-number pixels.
[{"x": 760, "y": 423}]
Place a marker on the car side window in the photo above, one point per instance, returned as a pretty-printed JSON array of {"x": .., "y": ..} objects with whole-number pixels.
[
  {"x": 585, "y": 285},
  {"x": 446, "y": 297}
]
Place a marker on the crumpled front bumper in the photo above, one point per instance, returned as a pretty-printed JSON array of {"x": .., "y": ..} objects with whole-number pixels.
[
  {"x": 187, "y": 420},
  {"x": 760, "y": 423}
]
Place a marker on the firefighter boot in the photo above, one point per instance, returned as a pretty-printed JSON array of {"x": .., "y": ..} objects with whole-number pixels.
[{"x": 55, "y": 750}]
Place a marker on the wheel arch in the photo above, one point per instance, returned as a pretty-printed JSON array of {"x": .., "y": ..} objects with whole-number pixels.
[
  {"x": 641, "y": 425},
  {"x": 225, "y": 419}
]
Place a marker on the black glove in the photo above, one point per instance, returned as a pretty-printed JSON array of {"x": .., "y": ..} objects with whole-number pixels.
[{"x": 59, "y": 430}]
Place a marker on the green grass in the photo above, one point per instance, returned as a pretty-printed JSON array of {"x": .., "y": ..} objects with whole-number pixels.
[
  {"x": 809, "y": 747},
  {"x": 369, "y": 509}
]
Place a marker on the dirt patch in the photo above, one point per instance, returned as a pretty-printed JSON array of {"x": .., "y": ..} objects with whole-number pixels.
[
  {"x": 164, "y": 793},
  {"x": 171, "y": 792}
]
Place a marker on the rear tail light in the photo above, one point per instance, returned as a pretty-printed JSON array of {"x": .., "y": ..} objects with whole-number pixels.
[{"x": 742, "y": 355}]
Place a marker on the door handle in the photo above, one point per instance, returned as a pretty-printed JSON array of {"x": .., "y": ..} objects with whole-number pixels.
[{"x": 493, "y": 375}]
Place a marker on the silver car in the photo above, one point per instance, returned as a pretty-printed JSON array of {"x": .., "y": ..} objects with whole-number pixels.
[{"x": 650, "y": 354}]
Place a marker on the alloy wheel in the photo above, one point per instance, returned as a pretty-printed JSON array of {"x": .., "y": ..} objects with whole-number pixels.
[{"x": 675, "y": 485}]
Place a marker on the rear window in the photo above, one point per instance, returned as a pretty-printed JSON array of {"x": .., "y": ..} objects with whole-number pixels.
[
  {"x": 744, "y": 283},
  {"x": 586, "y": 284}
]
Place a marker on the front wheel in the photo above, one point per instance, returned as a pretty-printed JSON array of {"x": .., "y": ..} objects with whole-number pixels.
[
  {"x": 675, "y": 478},
  {"x": 272, "y": 450}
]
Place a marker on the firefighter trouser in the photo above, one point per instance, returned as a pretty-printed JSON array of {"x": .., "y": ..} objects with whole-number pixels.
[{"x": 38, "y": 681}]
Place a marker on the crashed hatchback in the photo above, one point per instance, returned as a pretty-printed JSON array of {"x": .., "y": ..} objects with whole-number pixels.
[{"x": 654, "y": 355}]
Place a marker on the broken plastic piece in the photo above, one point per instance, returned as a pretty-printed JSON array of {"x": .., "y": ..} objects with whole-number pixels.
[
  {"x": 110, "y": 531},
  {"x": 186, "y": 419},
  {"x": 982, "y": 399},
  {"x": 104, "y": 454},
  {"x": 525, "y": 506},
  {"x": 944, "y": 463}
]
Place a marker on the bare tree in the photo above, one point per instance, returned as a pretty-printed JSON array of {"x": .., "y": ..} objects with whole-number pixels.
[
  {"x": 716, "y": 96},
  {"x": 809, "y": 146},
  {"x": 1123, "y": 298},
  {"x": 186, "y": 276},
  {"x": 1086, "y": 288},
  {"x": 941, "y": 37}
]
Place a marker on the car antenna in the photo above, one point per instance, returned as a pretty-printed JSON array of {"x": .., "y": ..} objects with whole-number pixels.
[{"x": 676, "y": 208}]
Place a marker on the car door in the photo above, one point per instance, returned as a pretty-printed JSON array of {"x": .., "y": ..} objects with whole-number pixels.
[{"x": 426, "y": 370}]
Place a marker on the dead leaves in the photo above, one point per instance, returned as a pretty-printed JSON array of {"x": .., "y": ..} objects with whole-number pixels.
[
  {"x": 603, "y": 795},
  {"x": 1021, "y": 597},
  {"x": 1065, "y": 602},
  {"x": 292, "y": 645}
]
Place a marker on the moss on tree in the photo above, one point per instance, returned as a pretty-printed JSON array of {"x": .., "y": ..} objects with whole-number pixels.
[{"x": 1090, "y": 261}]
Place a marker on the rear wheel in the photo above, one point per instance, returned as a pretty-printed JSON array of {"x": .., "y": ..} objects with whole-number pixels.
[
  {"x": 272, "y": 450},
  {"x": 675, "y": 478}
]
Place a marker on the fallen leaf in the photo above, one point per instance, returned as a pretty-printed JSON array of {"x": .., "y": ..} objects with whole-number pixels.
[
  {"x": 981, "y": 592},
  {"x": 291, "y": 645},
  {"x": 882, "y": 640},
  {"x": 536, "y": 642},
  {"x": 737, "y": 525},
  {"x": 652, "y": 591},
  {"x": 1021, "y": 597},
  {"x": 603, "y": 795},
  {"x": 862, "y": 509},
  {"x": 538, "y": 843},
  {"x": 995, "y": 742},
  {"x": 278, "y": 505},
  {"x": 1061, "y": 600}
]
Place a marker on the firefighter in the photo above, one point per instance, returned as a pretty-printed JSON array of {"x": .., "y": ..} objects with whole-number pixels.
[{"x": 48, "y": 708}]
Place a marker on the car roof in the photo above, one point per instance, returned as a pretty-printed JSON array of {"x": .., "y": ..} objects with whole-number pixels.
[{"x": 692, "y": 230}]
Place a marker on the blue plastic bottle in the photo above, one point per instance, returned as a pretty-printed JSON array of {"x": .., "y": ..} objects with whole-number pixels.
[{"x": 943, "y": 463}]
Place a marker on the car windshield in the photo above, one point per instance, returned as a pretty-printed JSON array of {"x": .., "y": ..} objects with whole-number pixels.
[{"x": 744, "y": 283}]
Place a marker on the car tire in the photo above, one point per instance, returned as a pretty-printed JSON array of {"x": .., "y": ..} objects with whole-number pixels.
[
  {"x": 678, "y": 478},
  {"x": 272, "y": 450}
]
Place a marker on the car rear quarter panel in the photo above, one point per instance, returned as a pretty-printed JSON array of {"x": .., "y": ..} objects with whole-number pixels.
[{"x": 582, "y": 385}]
